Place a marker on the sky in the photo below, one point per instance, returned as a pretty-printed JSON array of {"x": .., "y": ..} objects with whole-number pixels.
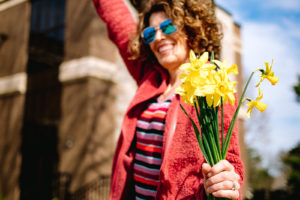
[{"x": 271, "y": 30}]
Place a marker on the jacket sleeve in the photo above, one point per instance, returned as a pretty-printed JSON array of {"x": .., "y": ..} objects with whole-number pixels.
[
  {"x": 233, "y": 154},
  {"x": 121, "y": 26}
]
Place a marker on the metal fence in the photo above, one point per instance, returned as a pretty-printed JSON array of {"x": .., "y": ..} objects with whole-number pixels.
[{"x": 96, "y": 190}]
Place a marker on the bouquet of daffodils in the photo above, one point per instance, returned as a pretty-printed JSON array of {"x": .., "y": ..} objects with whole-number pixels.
[{"x": 206, "y": 86}]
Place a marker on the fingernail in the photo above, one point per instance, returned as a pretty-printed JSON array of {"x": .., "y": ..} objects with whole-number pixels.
[{"x": 209, "y": 174}]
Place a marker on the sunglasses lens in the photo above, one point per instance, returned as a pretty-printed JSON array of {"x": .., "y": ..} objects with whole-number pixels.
[
  {"x": 149, "y": 34},
  {"x": 167, "y": 27}
]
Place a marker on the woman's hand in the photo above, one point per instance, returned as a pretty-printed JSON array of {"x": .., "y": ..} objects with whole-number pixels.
[{"x": 221, "y": 180}]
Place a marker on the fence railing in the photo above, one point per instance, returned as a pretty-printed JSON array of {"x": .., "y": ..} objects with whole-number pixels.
[{"x": 95, "y": 190}]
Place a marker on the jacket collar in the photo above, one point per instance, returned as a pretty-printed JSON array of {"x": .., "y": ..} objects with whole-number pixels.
[{"x": 153, "y": 84}]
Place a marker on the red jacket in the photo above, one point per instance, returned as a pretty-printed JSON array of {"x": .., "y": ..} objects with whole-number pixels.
[{"x": 180, "y": 173}]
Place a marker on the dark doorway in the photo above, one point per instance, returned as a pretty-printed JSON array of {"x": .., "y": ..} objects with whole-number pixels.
[
  {"x": 38, "y": 179},
  {"x": 40, "y": 135}
]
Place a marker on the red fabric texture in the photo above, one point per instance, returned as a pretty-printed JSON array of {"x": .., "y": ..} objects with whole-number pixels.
[{"x": 180, "y": 174}]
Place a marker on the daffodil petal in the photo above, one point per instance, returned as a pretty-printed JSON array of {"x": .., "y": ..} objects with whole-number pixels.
[
  {"x": 273, "y": 79},
  {"x": 204, "y": 58},
  {"x": 233, "y": 69},
  {"x": 260, "y": 95},
  {"x": 261, "y": 106},
  {"x": 192, "y": 56},
  {"x": 251, "y": 106},
  {"x": 185, "y": 67}
]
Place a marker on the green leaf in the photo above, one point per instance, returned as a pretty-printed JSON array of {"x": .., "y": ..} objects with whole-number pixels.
[
  {"x": 222, "y": 127},
  {"x": 212, "y": 159},
  {"x": 232, "y": 123},
  {"x": 198, "y": 136}
]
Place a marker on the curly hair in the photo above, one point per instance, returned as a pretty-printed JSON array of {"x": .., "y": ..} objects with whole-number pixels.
[{"x": 195, "y": 20}]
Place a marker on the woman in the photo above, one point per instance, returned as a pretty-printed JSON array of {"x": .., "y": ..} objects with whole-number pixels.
[{"x": 157, "y": 155}]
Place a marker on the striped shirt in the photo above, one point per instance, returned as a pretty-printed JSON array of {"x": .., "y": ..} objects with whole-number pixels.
[{"x": 147, "y": 161}]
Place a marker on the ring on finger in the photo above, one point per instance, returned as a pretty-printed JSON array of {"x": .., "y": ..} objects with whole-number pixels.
[{"x": 233, "y": 186}]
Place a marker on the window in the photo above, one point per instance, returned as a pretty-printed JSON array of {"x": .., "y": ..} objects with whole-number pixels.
[{"x": 47, "y": 18}]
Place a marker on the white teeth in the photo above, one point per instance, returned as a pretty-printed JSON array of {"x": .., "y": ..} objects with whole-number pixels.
[{"x": 164, "y": 48}]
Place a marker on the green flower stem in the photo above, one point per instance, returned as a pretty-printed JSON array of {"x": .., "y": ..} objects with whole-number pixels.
[
  {"x": 211, "y": 156},
  {"x": 222, "y": 127},
  {"x": 216, "y": 129},
  {"x": 213, "y": 147},
  {"x": 204, "y": 128},
  {"x": 207, "y": 131},
  {"x": 206, "y": 119},
  {"x": 210, "y": 197},
  {"x": 199, "y": 137},
  {"x": 232, "y": 123},
  {"x": 201, "y": 145},
  {"x": 207, "y": 124}
]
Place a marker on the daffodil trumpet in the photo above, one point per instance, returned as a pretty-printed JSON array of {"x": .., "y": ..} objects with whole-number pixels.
[{"x": 206, "y": 86}]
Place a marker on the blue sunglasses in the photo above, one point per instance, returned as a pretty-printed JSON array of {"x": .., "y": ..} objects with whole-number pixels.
[{"x": 166, "y": 27}]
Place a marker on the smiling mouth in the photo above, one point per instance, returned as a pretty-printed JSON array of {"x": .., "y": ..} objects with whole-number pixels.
[{"x": 165, "y": 48}]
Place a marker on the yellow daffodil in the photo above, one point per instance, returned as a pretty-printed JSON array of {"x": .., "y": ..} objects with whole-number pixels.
[
  {"x": 188, "y": 92},
  {"x": 260, "y": 106},
  {"x": 233, "y": 69},
  {"x": 197, "y": 63},
  {"x": 200, "y": 78},
  {"x": 221, "y": 87},
  {"x": 268, "y": 74}
]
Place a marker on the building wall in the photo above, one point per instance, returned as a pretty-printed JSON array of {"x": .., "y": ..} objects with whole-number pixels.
[
  {"x": 96, "y": 92},
  {"x": 13, "y": 60}
]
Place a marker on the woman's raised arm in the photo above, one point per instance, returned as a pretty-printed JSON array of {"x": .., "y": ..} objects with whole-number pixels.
[{"x": 121, "y": 26}]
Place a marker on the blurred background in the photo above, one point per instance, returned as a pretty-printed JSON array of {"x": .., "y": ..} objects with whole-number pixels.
[{"x": 64, "y": 90}]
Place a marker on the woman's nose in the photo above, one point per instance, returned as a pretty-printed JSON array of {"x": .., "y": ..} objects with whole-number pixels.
[{"x": 159, "y": 35}]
